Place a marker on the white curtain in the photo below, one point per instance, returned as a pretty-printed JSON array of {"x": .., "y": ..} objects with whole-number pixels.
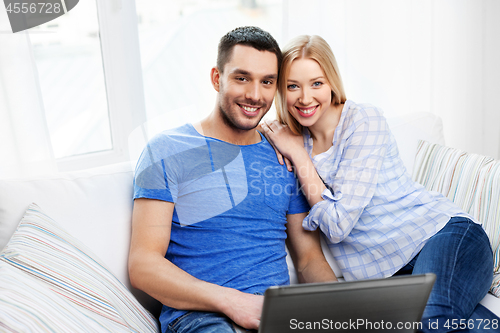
[{"x": 25, "y": 148}]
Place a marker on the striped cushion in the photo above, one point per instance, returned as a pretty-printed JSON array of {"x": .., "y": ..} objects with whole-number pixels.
[
  {"x": 471, "y": 181},
  {"x": 49, "y": 282}
]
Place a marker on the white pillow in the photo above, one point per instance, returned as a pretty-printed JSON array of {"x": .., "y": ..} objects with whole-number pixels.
[
  {"x": 93, "y": 205},
  {"x": 49, "y": 281}
]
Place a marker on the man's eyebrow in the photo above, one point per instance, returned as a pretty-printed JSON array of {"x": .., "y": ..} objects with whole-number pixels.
[
  {"x": 271, "y": 76},
  {"x": 239, "y": 71}
]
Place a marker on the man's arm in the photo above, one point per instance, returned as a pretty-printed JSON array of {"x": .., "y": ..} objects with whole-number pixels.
[
  {"x": 157, "y": 276},
  {"x": 305, "y": 249}
]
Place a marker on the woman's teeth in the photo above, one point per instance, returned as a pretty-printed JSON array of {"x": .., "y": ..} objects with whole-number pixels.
[{"x": 308, "y": 110}]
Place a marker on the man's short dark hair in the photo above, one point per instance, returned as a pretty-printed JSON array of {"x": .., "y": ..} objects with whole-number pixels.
[{"x": 248, "y": 36}]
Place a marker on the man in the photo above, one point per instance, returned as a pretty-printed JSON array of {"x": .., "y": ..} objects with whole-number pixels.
[{"x": 213, "y": 207}]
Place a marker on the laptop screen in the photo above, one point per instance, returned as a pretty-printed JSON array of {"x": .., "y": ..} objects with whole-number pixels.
[{"x": 392, "y": 304}]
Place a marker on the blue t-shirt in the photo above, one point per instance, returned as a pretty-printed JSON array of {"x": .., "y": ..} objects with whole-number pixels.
[{"x": 228, "y": 225}]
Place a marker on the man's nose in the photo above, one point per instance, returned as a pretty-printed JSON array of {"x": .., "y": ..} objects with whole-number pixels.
[{"x": 254, "y": 92}]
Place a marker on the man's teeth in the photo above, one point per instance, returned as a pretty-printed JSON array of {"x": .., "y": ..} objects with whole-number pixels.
[
  {"x": 249, "y": 109},
  {"x": 308, "y": 110}
]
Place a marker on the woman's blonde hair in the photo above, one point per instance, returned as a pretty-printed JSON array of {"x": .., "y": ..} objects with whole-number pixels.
[{"x": 310, "y": 47}]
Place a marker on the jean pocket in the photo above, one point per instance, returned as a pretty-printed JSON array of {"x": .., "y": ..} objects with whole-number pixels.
[{"x": 176, "y": 324}]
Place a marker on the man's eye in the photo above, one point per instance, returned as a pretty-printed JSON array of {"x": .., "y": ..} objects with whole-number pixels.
[
  {"x": 241, "y": 79},
  {"x": 267, "y": 82}
]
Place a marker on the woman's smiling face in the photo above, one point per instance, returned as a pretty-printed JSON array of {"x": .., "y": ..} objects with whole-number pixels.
[{"x": 308, "y": 93}]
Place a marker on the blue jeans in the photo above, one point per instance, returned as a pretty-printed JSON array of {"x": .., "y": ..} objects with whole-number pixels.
[
  {"x": 206, "y": 322},
  {"x": 460, "y": 255}
]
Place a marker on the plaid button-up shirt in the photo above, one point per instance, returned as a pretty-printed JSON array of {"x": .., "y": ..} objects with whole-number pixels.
[{"x": 375, "y": 217}]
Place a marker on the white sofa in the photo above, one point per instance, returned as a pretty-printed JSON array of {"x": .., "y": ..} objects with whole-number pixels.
[{"x": 94, "y": 207}]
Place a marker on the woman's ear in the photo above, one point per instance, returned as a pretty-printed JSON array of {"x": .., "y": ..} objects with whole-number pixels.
[{"x": 215, "y": 78}]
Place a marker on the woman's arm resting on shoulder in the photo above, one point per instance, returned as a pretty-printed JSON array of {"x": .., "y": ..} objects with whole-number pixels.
[
  {"x": 355, "y": 179},
  {"x": 292, "y": 147},
  {"x": 264, "y": 129},
  {"x": 305, "y": 250},
  {"x": 157, "y": 276},
  {"x": 311, "y": 185}
]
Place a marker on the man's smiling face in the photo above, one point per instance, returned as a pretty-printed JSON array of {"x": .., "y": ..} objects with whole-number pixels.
[{"x": 247, "y": 87}]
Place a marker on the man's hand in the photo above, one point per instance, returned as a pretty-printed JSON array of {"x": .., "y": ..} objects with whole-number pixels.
[
  {"x": 243, "y": 308},
  {"x": 151, "y": 272}
]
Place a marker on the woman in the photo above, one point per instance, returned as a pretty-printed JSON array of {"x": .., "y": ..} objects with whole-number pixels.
[{"x": 378, "y": 222}]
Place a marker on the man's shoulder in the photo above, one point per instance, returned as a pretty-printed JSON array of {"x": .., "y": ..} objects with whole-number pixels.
[
  {"x": 176, "y": 138},
  {"x": 168, "y": 144},
  {"x": 184, "y": 131}
]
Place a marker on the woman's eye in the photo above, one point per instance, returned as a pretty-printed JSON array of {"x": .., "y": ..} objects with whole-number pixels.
[
  {"x": 292, "y": 86},
  {"x": 317, "y": 84}
]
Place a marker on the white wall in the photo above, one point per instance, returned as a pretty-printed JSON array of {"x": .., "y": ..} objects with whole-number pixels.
[
  {"x": 491, "y": 80},
  {"x": 440, "y": 56}
]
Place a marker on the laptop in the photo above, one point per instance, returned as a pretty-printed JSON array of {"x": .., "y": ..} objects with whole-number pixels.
[{"x": 394, "y": 304}]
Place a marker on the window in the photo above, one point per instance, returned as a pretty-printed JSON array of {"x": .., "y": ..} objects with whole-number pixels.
[
  {"x": 98, "y": 82},
  {"x": 178, "y": 44},
  {"x": 68, "y": 57},
  {"x": 91, "y": 83}
]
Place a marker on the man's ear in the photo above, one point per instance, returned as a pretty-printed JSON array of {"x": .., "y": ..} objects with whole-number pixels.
[{"x": 215, "y": 78}]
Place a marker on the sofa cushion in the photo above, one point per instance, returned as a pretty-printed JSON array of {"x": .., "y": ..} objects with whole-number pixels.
[
  {"x": 51, "y": 282},
  {"x": 472, "y": 181},
  {"x": 94, "y": 206}
]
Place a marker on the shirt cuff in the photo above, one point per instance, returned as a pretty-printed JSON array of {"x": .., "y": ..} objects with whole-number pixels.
[
  {"x": 317, "y": 212},
  {"x": 328, "y": 195}
]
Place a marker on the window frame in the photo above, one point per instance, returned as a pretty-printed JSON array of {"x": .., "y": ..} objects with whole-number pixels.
[{"x": 119, "y": 38}]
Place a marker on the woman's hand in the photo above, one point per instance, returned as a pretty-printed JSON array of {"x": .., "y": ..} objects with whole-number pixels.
[
  {"x": 283, "y": 140},
  {"x": 282, "y": 160}
]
